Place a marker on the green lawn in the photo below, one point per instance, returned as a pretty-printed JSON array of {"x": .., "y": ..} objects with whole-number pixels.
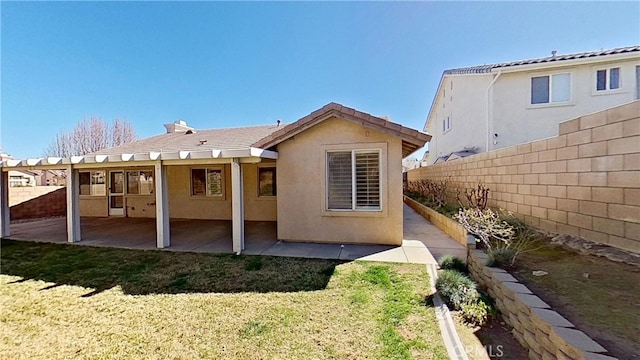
[{"x": 63, "y": 301}]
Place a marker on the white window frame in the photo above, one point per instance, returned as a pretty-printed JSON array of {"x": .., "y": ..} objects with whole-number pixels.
[
  {"x": 607, "y": 83},
  {"x": 127, "y": 172},
  {"x": 550, "y": 102},
  {"x": 206, "y": 185},
  {"x": 354, "y": 207},
  {"x": 446, "y": 124},
  {"x": 91, "y": 172}
]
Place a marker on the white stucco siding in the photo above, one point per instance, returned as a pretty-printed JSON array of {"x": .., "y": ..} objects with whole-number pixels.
[
  {"x": 466, "y": 106},
  {"x": 516, "y": 121}
]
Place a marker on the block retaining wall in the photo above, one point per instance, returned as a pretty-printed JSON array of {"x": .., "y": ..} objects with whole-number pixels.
[
  {"x": 584, "y": 182},
  {"x": 545, "y": 333}
]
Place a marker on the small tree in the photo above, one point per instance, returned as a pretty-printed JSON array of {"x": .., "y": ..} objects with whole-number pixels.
[{"x": 91, "y": 135}]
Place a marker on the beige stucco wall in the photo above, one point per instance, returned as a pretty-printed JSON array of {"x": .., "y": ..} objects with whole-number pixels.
[
  {"x": 301, "y": 183},
  {"x": 94, "y": 206},
  {"x": 184, "y": 206},
  {"x": 257, "y": 208}
]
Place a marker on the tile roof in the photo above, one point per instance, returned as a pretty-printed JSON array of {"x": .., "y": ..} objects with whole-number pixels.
[
  {"x": 216, "y": 139},
  {"x": 481, "y": 69},
  {"x": 412, "y": 140},
  {"x": 266, "y": 136}
]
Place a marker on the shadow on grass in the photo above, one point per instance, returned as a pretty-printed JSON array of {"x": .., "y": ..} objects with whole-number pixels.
[{"x": 141, "y": 272}]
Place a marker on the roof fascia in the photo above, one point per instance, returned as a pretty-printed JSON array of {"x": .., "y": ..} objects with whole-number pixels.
[{"x": 568, "y": 63}]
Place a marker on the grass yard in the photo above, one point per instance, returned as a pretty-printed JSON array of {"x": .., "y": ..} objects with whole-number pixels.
[{"x": 65, "y": 301}]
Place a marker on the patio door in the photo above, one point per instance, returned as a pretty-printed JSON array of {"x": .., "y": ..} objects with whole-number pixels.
[{"x": 116, "y": 193}]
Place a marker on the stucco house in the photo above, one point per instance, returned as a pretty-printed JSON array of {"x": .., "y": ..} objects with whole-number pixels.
[
  {"x": 335, "y": 175},
  {"x": 487, "y": 107}
]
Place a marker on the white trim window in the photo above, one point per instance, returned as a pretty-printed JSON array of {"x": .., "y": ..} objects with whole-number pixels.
[
  {"x": 207, "y": 182},
  {"x": 548, "y": 89},
  {"x": 92, "y": 183},
  {"x": 140, "y": 182},
  {"x": 608, "y": 79},
  {"x": 446, "y": 124},
  {"x": 353, "y": 180}
]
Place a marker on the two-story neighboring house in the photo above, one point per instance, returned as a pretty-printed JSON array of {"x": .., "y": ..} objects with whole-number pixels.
[{"x": 488, "y": 107}]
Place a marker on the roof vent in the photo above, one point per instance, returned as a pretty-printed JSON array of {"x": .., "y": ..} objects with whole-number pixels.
[
  {"x": 553, "y": 53},
  {"x": 179, "y": 126},
  {"x": 202, "y": 142},
  {"x": 189, "y": 132},
  {"x": 278, "y": 122}
]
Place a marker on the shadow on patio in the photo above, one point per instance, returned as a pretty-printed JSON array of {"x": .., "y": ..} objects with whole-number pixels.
[{"x": 212, "y": 236}]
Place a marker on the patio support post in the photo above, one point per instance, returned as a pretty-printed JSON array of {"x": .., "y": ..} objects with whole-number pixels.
[
  {"x": 237, "y": 205},
  {"x": 73, "y": 205},
  {"x": 5, "y": 216},
  {"x": 163, "y": 230}
]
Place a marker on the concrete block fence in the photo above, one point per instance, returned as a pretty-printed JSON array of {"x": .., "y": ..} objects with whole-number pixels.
[
  {"x": 584, "y": 182},
  {"x": 544, "y": 332},
  {"x": 37, "y": 202}
]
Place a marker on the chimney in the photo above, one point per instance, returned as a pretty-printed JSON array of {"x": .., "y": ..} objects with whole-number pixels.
[{"x": 179, "y": 126}]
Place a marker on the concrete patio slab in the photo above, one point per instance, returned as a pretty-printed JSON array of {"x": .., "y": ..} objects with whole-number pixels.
[
  {"x": 392, "y": 255},
  {"x": 419, "y": 255},
  {"x": 355, "y": 252},
  {"x": 423, "y": 243},
  {"x": 304, "y": 250}
]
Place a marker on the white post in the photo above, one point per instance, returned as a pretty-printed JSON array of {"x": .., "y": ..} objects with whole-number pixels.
[
  {"x": 5, "y": 211},
  {"x": 163, "y": 230},
  {"x": 73, "y": 205},
  {"x": 237, "y": 206}
]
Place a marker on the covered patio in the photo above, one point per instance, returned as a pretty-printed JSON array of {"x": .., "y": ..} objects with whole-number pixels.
[{"x": 212, "y": 236}]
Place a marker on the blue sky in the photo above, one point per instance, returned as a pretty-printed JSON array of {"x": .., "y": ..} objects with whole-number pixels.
[{"x": 220, "y": 64}]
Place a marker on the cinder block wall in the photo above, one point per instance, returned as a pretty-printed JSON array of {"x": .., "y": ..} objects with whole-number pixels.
[
  {"x": 584, "y": 182},
  {"x": 38, "y": 202}
]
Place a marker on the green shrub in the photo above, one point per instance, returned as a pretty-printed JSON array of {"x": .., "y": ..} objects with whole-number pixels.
[
  {"x": 476, "y": 313},
  {"x": 501, "y": 256},
  {"x": 456, "y": 288},
  {"x": 450, "y": 262}
]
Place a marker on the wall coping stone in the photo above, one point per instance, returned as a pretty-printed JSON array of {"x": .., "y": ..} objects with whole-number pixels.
[
  {"x": 551, "y": 317},
  {"x": 579, "y": 339},
  {"x": 517, "y": 288},
  {"x": 505, "y": 277},
  {"x": 532, "y": 301}
]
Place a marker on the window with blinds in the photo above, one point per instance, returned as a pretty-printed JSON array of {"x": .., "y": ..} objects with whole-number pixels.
[{"x": 353, "y": 180}]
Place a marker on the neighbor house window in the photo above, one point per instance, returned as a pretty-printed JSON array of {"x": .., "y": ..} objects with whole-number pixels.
[
  {"x": 353, "y": 180},
  {"x": 446, "y": 124},
  {"x": 206, "y": 182},
  {"x": 266, "y": 181},
  {"x": 551, "y": 88},
  {"x": 140, "y": 182},
  {"x": 608, "y": 79},
  {"x": 93, "y": 183}
]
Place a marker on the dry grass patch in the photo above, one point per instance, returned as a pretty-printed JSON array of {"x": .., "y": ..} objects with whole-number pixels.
[{"x": 61, "y": 301}]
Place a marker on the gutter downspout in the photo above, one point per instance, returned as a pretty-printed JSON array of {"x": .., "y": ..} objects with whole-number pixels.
[{"x": 488, "y": 134}]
